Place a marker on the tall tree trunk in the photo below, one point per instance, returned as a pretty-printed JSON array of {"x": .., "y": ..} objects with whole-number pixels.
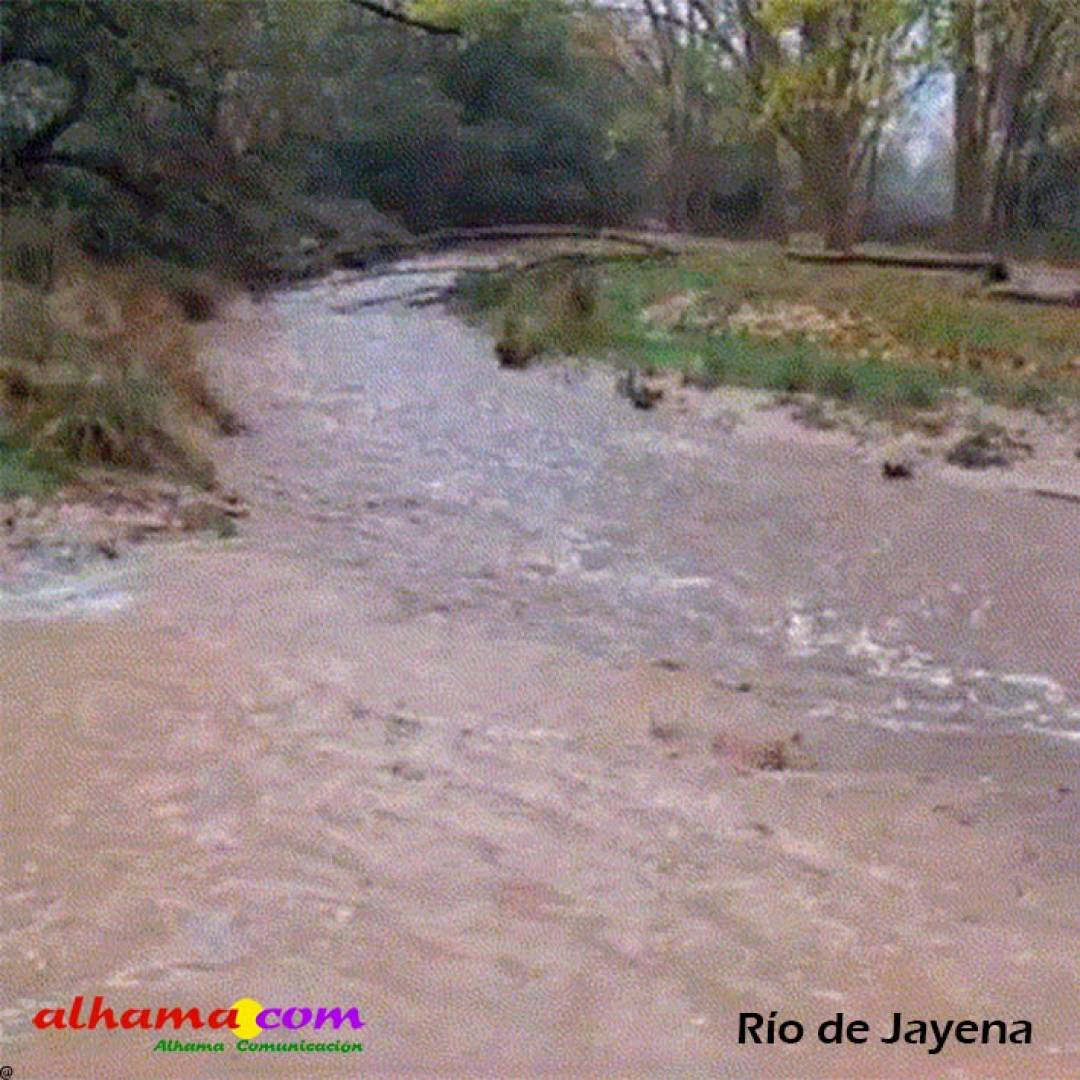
[
  {"x": 678, "y": 187},
  {"x": 830, "y": 172},
  {"x": 839, "y": 223},
  {"x": 969, "y": 178}
]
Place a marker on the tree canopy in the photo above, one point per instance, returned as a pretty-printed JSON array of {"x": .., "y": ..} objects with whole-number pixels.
[{"x": 202, "y": 127}]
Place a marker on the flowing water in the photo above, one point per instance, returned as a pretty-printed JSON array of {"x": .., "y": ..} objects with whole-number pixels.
[
  {"x": 537, "y": 506},
  {"x": 405, "y": 743}
]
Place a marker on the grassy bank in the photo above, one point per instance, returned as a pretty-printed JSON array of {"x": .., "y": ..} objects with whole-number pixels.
[
  {"x": 882, "y": 339},
  {"x": 98, "y": 365}
]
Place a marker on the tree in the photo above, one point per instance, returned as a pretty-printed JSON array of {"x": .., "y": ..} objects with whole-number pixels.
[
  {"x": 1009, "y": 57},
  {"x": 834, "y": 73},
  {"x": 509, "y": 123},
  {"x": 824, "y": 75},
  {"x": 175, "y": 125},
  {"x": 132, "y": 128},
  {"x": 716, "y": 160}
]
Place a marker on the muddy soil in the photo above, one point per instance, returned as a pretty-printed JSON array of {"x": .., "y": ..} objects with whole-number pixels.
[{"x": 484, "y": 723}]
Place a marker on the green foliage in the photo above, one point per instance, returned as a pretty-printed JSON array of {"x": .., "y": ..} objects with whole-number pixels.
[
  {"x": 21, "y": 475},
  {"x": 489, "y": 18},
  {"x": 511, "y": 124}
]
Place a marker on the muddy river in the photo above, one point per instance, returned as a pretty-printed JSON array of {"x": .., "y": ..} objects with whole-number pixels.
[{"x": 461, "y": 730}]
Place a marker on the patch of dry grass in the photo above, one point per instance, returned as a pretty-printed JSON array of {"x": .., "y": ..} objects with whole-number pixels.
[
  {"x": 937, "y": 318},
  {"x": 553, "y": 309},
  {"x": 89, "y": 418},
  {"x": 97, "y": 362}
]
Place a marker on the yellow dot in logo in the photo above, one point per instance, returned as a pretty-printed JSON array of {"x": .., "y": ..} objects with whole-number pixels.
[{"x": 246, "y": 1010}]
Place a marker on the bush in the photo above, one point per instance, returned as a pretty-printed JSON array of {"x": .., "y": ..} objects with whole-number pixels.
[
  {"x": 552, "y": 310},
  {"x": 120, "y": 422},
  {"x": 101, "y": 370},
  {"x": 30, "y": 244}
]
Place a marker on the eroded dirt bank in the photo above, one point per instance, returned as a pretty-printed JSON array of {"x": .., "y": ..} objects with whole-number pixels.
[{"x": 466, "y": 728}]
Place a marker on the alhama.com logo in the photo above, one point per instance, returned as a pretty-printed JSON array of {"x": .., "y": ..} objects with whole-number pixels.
[{"x": 286, "y": 1027}]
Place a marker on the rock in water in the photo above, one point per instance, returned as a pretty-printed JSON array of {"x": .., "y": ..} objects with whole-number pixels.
[
  {"x": 896, "y": 470},
  {"x": 898, "y": 458},
  {"x": 990, "y": 446},
  {"x": 641, "y": 394},
  {"x": 512, "y": 355}
]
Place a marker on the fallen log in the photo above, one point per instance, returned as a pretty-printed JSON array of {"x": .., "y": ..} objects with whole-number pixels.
[
  {"x": 916, "y": 260},
  {"x": 515, "y": 266},
  {"x": 443, "y": 237},
  {"x": 412, "y": 298},
  {"x": 1054, "y": 493},
  {"x": 1003, "y": 282},
  {"x": 440, "y": 239},
  {"x": 1064, "y": 295}
]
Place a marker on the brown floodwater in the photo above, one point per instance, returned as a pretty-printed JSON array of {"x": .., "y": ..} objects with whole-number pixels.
[{"x": 436, "y": 736}]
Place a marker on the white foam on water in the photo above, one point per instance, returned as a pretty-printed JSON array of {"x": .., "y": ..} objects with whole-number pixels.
[
  {"x": 86, "y": 594},
  {"x": 955, "y": 696},
  {"x": 1070, "y": 734}
]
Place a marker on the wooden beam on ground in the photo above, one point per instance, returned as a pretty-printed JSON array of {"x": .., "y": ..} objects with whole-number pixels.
[
  {"x": 440, "y": 239},
  {"x": 1063, "y": 295},
  {"x": 914, "y": 260},
  {"x": 543, "y": 232}
]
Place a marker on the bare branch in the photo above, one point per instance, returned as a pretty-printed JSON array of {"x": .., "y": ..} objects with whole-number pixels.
[
  {"x": 394, "y": 15},
  {"x": 107, "y": 169}
]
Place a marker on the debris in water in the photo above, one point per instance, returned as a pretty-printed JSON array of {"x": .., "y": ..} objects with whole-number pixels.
[
  {"x": 668, "y": 664},
  {"x": 776, "y": 755},
  {"x": 663, "y": 732}
]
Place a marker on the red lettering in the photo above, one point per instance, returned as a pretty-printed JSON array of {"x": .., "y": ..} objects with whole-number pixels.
[
  {"x": 134, "y": 1018},
  {"x": 230, "y": 1020},
  {"x": 98, "y": 1014},
  {"x": 49, "y": 1018},
  {"x": 178, "y": 1018},
  {"x": 76, "y": 1009}
]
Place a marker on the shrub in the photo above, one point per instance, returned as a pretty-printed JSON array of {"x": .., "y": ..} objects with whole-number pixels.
[
  {"x": 21, "y": 475},
  {"x": 95, "y": 420}
]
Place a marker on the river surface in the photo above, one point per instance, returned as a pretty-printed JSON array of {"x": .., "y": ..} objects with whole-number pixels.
[
  {"x": 538, "y": 505},
  {"x": 445, "y": 732}
]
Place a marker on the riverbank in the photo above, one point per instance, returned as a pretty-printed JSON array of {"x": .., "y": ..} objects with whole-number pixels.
[
  {"x": 890, "y": 342},
  {"x": 489, "y": 715}
]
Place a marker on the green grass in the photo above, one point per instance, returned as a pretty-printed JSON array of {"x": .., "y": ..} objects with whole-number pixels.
[
  {"x": 950, "y": 336},
  {"x": 790, "y": 368},
  {"x": 21, "y": 474}
]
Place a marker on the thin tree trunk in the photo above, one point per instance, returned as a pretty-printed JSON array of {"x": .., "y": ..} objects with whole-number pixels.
[
  {"x": 775, "y": 203},
  {"x": 969, "y": 180}
]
